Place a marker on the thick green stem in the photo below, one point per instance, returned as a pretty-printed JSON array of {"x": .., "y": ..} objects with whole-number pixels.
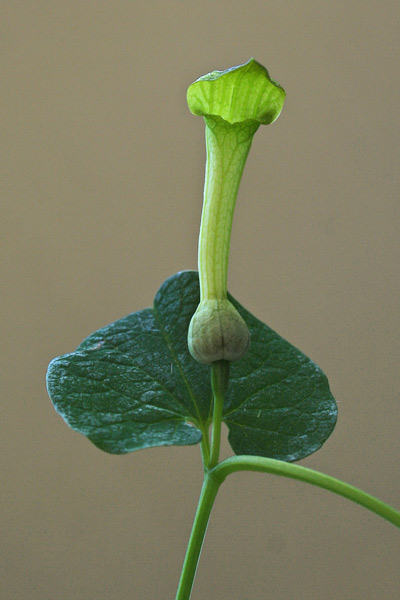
[
  {"x": 227, "y": 149},
  {"x": 277, "y": 467},
  {"x": 206, "y": 501}
]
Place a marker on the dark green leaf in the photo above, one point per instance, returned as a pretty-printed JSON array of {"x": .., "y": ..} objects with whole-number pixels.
[
  {"x": 134, "y": 385},
  {"x": 279, "y": 404}
]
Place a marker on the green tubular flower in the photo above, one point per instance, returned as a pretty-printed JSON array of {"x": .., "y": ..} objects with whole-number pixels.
[{"x": 234, "y": 103}]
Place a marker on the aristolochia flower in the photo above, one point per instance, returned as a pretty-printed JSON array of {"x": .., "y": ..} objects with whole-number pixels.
[{"x": 234, "y": 103}]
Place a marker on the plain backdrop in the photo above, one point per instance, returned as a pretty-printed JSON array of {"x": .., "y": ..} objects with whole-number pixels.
[{"x": 102, "y": 176}]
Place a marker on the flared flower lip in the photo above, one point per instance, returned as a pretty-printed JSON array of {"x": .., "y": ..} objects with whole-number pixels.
[{"x": 242, "y": 93}]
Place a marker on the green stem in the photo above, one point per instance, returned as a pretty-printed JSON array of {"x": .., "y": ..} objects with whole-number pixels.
[
  {"x": 219, "y": 384},
  {"x": 277, "y": 467},
  {"x": 206, "y": 501}
]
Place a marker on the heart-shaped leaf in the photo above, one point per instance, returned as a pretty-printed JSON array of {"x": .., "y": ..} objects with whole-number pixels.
[{"x": 134, "y": 385}]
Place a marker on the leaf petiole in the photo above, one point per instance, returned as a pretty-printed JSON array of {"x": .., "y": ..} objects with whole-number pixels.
[
  {"x": 285, "y": 469},
  {"x": 205, "y": 448}
]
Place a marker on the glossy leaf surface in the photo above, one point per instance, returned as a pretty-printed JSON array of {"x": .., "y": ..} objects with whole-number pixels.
[{"x": 279, "y": 404}]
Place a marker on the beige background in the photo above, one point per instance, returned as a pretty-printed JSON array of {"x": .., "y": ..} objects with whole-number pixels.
[{"x": 103, "y": 171}]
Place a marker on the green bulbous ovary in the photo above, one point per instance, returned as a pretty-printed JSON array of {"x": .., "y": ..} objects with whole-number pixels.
[{"x": 217, "y": 332}]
